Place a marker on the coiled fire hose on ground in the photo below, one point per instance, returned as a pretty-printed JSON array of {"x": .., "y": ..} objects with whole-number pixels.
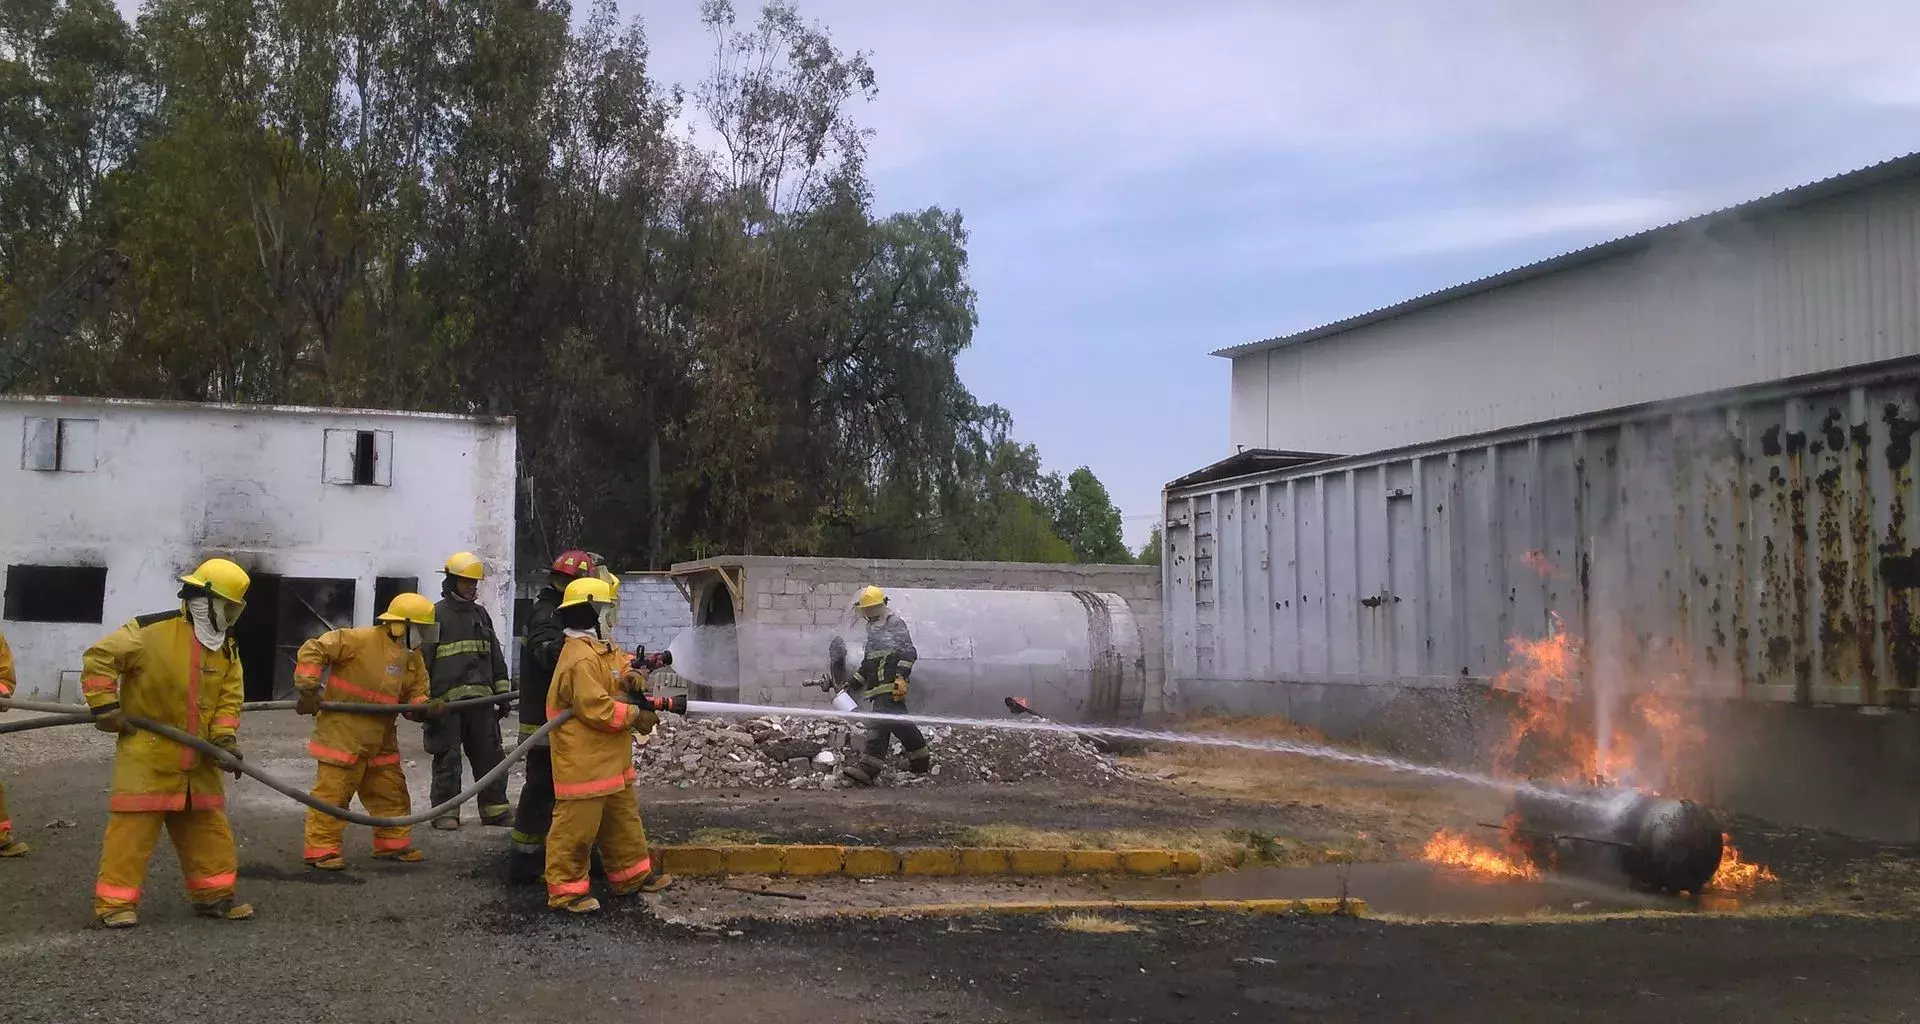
[{"x": 65, "y": 715}]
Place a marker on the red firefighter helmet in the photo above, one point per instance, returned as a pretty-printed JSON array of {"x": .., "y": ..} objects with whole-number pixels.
[{"x": 575, "y": 563}]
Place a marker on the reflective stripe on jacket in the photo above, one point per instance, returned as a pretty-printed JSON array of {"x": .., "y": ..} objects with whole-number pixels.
[
  {"x": 367, "y": 666},
  {"x": 153, "y": 667},
  {"x": 593, "y": 750},
  {"x": 467, "y": 661}
]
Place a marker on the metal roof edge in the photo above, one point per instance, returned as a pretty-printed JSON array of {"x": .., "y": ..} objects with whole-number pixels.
[
  {"x": 1772, "y": 202},
  {"x": 1899, "y": 368},
  {"x": 178, "y": 405}
]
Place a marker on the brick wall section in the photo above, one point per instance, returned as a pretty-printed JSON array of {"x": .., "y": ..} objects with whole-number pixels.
[
  {"x": 652, "y": 612},
  {"x": 792, "y": 603}
]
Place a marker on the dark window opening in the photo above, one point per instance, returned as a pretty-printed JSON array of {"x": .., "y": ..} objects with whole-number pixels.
[
  {"x": 386, "y": 588},
  {"x": 56, "y": 593},
  {"x": 522, "y": 611},
  {"x": 364, "y": 457},
  {"x": 283, "y": 613}
]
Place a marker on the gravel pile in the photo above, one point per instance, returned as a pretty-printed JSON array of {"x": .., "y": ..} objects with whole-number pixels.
[{"x": 807, "y": 753}]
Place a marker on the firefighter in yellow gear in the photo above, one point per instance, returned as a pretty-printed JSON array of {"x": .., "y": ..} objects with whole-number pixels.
[
  {"x": 9, "y": 846},
  {"x": 179, "y": 668},
  {"x": 358, "y": 753},
  {"x": 593, "y": 775}
]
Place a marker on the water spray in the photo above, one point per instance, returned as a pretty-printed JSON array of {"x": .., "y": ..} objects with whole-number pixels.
[{"x": 1024, "y": 723}]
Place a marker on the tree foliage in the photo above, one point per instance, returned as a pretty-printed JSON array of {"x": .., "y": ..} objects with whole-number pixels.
[
  {"x": 1088, "y": 521},
  {"x": 1150, "y": 551},
  {"x": 487, "y": 207}
]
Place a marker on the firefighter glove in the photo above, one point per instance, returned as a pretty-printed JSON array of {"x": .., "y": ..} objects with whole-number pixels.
[
  {"x": 109, "y": 722},
  {"x": 644, "y": 722},
  {"x": 309, "y": 702},
  {"x": 899, "y": 688},
  {"x": 232, "y": 747},
  {"x": 503, "y": 709},
  {"x": 634, "y": 682}
]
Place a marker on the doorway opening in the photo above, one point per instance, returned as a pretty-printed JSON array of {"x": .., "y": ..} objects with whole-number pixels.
[{"x": 282, "y": 613}]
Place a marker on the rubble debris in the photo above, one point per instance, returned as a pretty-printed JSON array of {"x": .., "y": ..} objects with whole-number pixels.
[{"x": 797, "y": 753}]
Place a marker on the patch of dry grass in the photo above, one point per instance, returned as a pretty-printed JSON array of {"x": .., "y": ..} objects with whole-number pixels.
[
  {"x": 1397, "y": 807},
  {"x": 727, "y": 837},
  {"x": 1093, "y": 924}
]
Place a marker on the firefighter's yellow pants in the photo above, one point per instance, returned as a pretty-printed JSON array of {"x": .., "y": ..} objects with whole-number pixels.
[
  {"x": 6, "y": 823},
  {"x": 202, "y": 839},
  {"x": 382, "y": 788},
  {"x": 610, "y": 822}
]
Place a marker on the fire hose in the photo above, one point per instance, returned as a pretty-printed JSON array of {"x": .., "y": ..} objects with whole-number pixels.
[{"x": 67, "y": 716}]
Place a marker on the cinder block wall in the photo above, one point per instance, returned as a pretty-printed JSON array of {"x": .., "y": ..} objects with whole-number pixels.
[
  {"x": 790, "y": 601},
  {"x": 652, "y": 612}
]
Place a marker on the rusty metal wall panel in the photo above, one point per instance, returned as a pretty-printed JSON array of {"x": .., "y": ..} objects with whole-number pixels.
[{"x": 1753, "y": 542}]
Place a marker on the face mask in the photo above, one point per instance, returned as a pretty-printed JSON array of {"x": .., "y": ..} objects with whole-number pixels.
[
  {"x": 200, "y": 614},
  {"x": 421, "y": 635}
]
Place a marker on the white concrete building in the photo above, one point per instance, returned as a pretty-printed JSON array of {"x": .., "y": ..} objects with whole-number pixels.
[
  {"x": 331, "y": 510},
  {"x": 1810, "y": 280}
]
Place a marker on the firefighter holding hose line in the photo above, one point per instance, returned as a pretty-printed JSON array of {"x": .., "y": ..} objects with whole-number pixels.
[
  {"x": 377, "y": 664},
  {"x": 465, "y": 663},
  {"x": 179, "y": 668},
  {"x": 593, "y": 775},
  {"x": 882, "y": 678}
]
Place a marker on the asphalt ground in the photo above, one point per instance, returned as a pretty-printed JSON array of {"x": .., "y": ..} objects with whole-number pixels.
[{"x": 448, "y": 940}]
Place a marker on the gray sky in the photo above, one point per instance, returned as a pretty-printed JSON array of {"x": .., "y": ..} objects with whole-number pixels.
[{"x": 1146, "y": 182}]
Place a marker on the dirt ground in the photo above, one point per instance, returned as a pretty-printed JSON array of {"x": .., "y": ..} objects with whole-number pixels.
[{"x": 449, "y": 940}]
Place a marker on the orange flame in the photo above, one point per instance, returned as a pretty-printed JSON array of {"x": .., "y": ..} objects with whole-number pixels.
[
  {"x": 1735, "y": 875},
  {"x": 1552, "y": 736},
  {"x": 1455, "y": 850},
  {"x": 1543, "y": 673}
]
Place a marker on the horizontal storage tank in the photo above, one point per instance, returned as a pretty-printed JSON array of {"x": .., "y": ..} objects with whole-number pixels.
[{"x": 1074, "y": 656}]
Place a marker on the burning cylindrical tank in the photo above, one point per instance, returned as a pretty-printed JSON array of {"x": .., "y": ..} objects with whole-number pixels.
[{"x": 1655, "y": 842}]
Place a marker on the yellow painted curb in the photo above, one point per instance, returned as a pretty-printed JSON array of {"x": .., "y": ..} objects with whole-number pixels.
[
  {"x": 813, "y": 860},
  {"x": 1147, "y": 862},
  {"x": 1037, "y": 862},
  {"x": 1093, "y": 862},
  {"x": 869, "y": 861},
  {"x": 1314, "y": 907},
  {"x": 692, "y": 860},
  {"x": 929, "y": 862},
  {"x": 980, "y": 860},
  {"x": 753, "y": 860}
]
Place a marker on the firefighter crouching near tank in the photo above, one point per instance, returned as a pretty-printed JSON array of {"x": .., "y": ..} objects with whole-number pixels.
[
  {"x": 9, "y": 846},
  {"x": 467, "y": 662},
  {"x": 593, "y": 774},
  {"x": 526, "y": 860},
  {"x": 882, "y": 680},
  {"x": 356, "y": 753},
  {"x": 181, "y": 669}
]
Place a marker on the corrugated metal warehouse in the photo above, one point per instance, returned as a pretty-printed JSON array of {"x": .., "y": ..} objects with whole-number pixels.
[{"x": 1691, "y": 448}]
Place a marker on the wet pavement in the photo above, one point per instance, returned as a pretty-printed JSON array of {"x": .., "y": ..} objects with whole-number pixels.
[{"x": 1407, "y": 890}]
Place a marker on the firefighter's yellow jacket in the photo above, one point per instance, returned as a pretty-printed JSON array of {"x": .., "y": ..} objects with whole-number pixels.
[
  {"x": 593, "y": 750},
  {"x": 154, "y": 668},
  {"x": 6, "y": 668},
  {"x": 368, "y": 667}
]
